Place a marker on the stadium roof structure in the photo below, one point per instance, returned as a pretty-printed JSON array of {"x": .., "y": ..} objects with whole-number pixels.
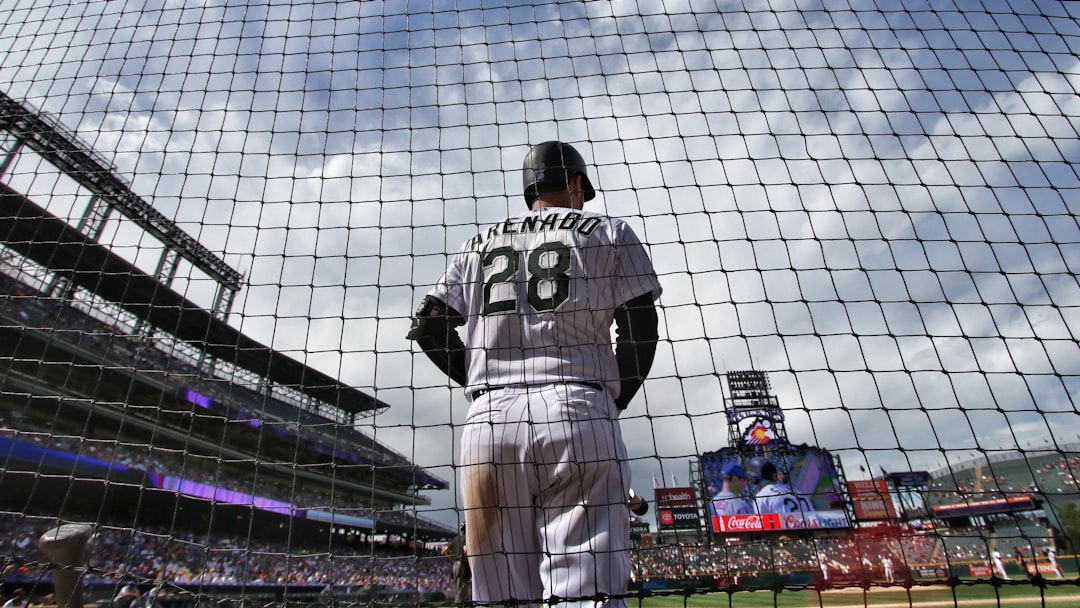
[
  {"x": 33, "y": 232},
  {"x": 61, "y": 147}
]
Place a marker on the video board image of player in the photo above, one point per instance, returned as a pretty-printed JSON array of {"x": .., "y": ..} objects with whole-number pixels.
[
  {"x": 774, "y": 494},
  {"x": 788, "y": 487}
]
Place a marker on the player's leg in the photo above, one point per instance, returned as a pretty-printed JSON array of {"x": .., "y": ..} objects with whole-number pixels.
[
  {"x": 584, "y": 484},
  {"x": 500, "y": 515}
]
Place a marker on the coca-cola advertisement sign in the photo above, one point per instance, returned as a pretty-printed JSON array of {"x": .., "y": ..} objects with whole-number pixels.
[
  {"x": 746, "y": 523},
  {"x": 764, "y": 522}
]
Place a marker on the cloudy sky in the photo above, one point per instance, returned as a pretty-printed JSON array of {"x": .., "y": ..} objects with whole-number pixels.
[{"x": 874, "y": 202}]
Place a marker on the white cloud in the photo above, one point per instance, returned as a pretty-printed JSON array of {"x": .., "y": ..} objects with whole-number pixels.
[{"x": 816, "y": 195}]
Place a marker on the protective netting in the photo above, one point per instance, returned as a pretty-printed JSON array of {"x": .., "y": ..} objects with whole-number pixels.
[{"x": 217, "y": 219}]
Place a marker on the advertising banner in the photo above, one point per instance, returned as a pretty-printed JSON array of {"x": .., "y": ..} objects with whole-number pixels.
[
  {"x": 676, "y": 497},
  {"x": 764, "y": 522},
  {"x": 870, "y": 500},
  {"x": 678, "y": 517},
  {"x": 910, "y": 479},
  {"x": 1023, "y": 502}
]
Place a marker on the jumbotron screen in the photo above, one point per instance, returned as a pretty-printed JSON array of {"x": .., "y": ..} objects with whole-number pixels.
[{"x": 786, "y": 487}]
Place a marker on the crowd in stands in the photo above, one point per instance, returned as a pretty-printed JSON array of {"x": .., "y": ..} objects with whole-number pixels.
[
  {"x": 1041, "y": 473},
  {"x": 829, "y": 556},
  {"x": 1058, "y": 475},
  {"x": 120, "y": 555},
  {"x": 175, "y": 557},
  {"x": 852, "y": 557}
]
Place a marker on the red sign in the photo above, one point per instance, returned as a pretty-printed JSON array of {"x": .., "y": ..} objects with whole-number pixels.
[
  {"x": 1040, "y": 568},
  {"x": 747, "y": 523},
  {"x": 1023, "y": 502},
  {"x": 676, "y": 497},
  {"x": 871, "y": 501},
  {"x": 757, "y": 522},
  {"x": 679, "y": 517},
  {"x": 980, "y": 571}
]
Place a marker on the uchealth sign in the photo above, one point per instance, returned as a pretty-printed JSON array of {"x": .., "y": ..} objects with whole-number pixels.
[
  {"x": 761, "y": 522},
  {"x": 679, "y": 517},
  {"x": 676, "y": 497}
]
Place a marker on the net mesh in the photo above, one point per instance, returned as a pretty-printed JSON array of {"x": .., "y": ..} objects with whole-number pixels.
[{"x": 217, "y": 219}]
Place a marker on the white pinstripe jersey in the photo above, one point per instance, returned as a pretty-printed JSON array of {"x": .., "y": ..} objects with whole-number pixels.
[
  {"x": 538, "y": 293},
  {"x": 778, "y": 497}
]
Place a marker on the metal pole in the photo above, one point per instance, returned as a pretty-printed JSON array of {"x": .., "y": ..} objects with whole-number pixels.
[
  {"x": 9, "y": 157},
  {"x": 65, "y": 548}
]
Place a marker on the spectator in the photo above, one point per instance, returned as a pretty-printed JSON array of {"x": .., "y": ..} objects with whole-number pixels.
[
  {"x": 127, "y": 595},
  {"x": 461, "y": 573},
  {"x": 18, "y": 599}
]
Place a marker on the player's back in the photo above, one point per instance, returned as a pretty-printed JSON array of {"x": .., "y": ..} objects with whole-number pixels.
[
  {"x": 541, "y": 289},
  {"x": 780, "y": 498},
  {"x": 730, "y": 503}
]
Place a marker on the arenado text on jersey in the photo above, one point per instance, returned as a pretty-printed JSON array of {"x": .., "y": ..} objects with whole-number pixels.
[{"x": 535, "y": 222}]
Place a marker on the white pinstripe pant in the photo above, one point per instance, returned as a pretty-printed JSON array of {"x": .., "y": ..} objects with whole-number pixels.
[{"x": 545, "y": 481}]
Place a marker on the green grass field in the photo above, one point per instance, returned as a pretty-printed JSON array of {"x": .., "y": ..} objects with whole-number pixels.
[{"x": 982, "y": 594}]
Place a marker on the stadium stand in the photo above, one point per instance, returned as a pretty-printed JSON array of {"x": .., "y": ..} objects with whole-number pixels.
[
  {"x": 126, "y": 406},
  {"x": 165, "y": 489}
]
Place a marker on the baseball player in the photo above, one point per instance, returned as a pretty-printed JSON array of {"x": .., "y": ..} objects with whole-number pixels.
[
  {"x": 727, "y": 501},
  {"x": 999, "y": 565},
  {"x": 868, "y": 567},
  {"x": 776, "y": 496},
  {"x": 1051, "y": 554},
  {"x": 887, "y": 567},
  {"x": 823, "y": 563},
  {"x": 544, "y": 475}
]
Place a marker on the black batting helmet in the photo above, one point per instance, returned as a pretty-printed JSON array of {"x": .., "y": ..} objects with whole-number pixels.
[{"x": 549, "y": 166}]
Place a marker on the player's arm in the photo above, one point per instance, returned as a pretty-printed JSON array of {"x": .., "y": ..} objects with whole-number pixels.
[
  {"x": 635, "y": 344},
  {"x": 434, "y": 327}
]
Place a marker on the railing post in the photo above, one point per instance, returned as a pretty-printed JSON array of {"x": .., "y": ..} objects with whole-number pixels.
[{"x": 65, "y": 549}]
